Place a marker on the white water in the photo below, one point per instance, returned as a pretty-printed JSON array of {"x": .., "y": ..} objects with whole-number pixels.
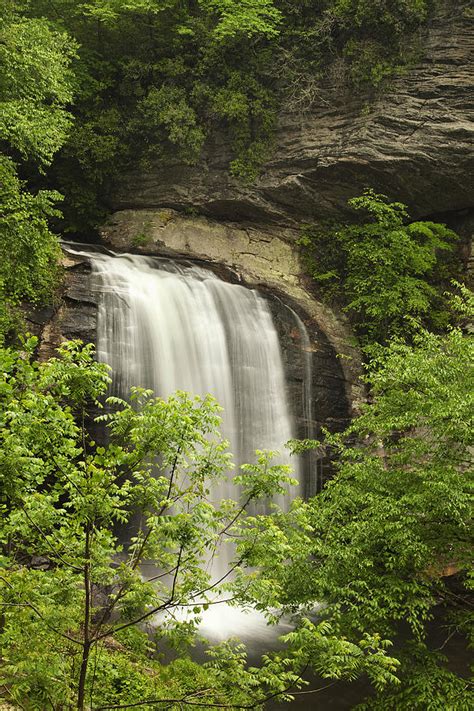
[
  {"x": 169, "y": 326},
  {"x": 179, "y": 327}
]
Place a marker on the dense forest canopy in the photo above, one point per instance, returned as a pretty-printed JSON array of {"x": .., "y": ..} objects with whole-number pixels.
[
  {"x": 386, "y": 272},
  {"x": 87, "y": 89}
]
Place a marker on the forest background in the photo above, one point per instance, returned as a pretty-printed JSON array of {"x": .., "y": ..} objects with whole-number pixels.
[{"x": 86, "y": 90}]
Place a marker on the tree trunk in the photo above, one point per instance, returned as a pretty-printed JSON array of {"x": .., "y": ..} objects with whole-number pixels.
[
  {"x": 81, "y": 691},
  {"x": 86, "y": 647}
]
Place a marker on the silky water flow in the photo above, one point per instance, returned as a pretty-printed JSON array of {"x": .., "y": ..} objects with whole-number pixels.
[{"x": 171, "y": 326}]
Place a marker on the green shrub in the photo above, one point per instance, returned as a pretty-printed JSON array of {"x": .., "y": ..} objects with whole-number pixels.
[{"x": 385, "y": 271}]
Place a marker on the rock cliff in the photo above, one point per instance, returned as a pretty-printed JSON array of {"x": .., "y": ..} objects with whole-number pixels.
[
  {"x": 259, "y": 257},
  {"x": 412, "y": 141}
]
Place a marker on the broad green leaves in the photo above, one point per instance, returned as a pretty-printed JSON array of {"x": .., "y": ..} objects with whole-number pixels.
[
  {"x": 380, "y": 35},
  {"x": 377, "y": 547},
  {"x": 386, "y": 273},
  {"x": 29, "y": 251},
  {"x": 250, "y": 18},
  {"x": 36, "y": 88},
  {"x": 67, "y": 585},
  {"x": 70, "y": 590},
  {"x": 154, "y": 79},
  {"x": 247, "y": 17}
]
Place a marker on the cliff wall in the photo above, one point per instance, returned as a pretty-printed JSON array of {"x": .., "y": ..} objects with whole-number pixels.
[{"x": 413, "y": 140}]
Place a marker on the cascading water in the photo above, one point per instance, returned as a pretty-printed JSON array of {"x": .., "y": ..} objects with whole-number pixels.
[{"x": 167, "y": 326}]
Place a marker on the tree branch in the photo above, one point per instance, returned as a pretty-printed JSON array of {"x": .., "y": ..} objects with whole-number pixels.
[
  {"x": 186, "y": 700},
  {"x": 41, "y": 616}
]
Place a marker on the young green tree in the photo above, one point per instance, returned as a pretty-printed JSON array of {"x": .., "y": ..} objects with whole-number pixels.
[
  {"x": 385, "y": 270},
  {"x": 29, "y": 251},
  {"x": 74, "y": 601},
  {"x": 377, "y": 547},
  {"x": 36, "y": 89}
]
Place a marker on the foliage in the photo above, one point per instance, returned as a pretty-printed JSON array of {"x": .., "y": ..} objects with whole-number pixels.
[
  {"x": 153, "y": 79},
  {"x": 378, "y": 34},
  {"x": 74, "y": 600},
  {"x": 376, "y": 546},
  {"x": 35, "y": 89},
  {"x": 149, "y": 81},
  {"x": 385, "y": 271},
  {"x": 167, "y": 117},
  {"x": 249, "y": 18},
  {"x": 248, "y": 107},
  {"x": 156, "y": 79},
  {"x": 30, "y": 252},
  {"x": 428, "y": 685}
]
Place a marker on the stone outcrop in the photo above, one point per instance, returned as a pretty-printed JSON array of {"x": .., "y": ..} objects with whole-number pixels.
[
  {"x": 318, "y": 383},
  {"x": 258, "y": 258},
  {"x": 73, "y": 316},
  {"x": 413, "y": 141}
]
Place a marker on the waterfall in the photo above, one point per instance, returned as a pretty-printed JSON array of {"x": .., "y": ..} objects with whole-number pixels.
[{"x": 170, "y": 326}]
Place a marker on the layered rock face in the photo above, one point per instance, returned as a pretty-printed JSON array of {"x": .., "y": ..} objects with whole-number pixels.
[
  {"x": 414, "y": 142},
  {"x": 258, "y": 257},
  {"x": 74, "y": 316}
]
